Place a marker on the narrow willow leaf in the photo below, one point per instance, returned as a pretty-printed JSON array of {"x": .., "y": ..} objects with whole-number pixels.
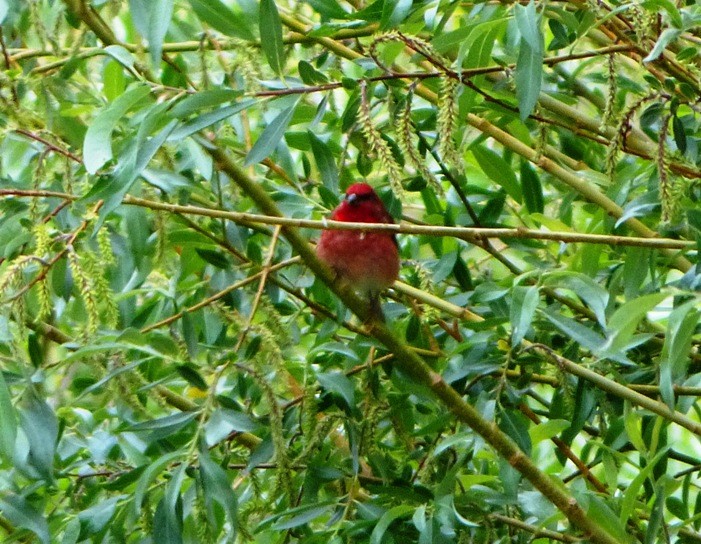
[
  {"x": 22, "y": 514},
  {"x": 524, "y": 301},
  {"x": 201, "y": 101},
  {"x": 338, "y": 383},
  {"x": 394, "y": 12},
  {"x": 149, "y": 475},
  {"x": 271, "y": 35},
  {"x": 595, "y": 296},
  {"x": 217, "y": 489},
  {"x": 547, "y": 429},
  {"x": 325, "y": 162},
  {"x": 208, "y": 119},
  {"x": 529, "y": 65},
  {"x": 130, "y": 169},
  {"x": 8, "y": 422},
  {"x": 625, "y": 319},
  {"x": 528, "y": 23},
  {"x": 270, "y": 137},
  {"x": 301, "y": 519},
  {"x": 160, "y": 12},
  {"x": 604, "y": 516},
  {"x": 677, "y": 347},
  {"x": 121, "y": 54},
  {"x": 391, "y": 515},
  {"x": 679, "y": 134},
  {"x": 221, "y": 18},
  {"x": 40, "y": 425},
  {"x": 583, "y": 335},
  {"x": 528, "y": 78},
  {"x": 515, "y": 425},
  {"x": 631, "y": 493},
  {"x": 97, "y": 146},
  {"x": 95, "y": 518},
  {"x": 498, "y": 170},
  {"x": 668, "y": 36},
  {"x": 531, "y": 188}
]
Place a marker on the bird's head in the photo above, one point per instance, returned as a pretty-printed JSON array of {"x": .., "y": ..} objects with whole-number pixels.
[{"x": 362, "y": 205}]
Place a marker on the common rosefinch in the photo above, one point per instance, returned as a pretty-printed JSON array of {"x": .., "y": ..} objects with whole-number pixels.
[{"x": 368, "y": 261}]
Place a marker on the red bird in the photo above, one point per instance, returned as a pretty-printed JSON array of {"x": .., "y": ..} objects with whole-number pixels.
[{"x": 368, "y": 261}]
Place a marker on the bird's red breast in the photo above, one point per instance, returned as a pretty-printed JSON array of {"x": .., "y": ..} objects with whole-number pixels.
[{"x": 369, "y": 261}]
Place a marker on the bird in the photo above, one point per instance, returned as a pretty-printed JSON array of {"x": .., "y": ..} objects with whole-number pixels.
[{"x": 367, "y": 260}]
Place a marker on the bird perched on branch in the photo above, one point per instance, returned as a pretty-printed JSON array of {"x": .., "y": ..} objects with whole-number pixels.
[{"x": 368, "y": 261}]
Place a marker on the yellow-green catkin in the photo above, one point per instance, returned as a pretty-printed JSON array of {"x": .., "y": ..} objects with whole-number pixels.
[
  {"x": 447, "y": 123},
  {"x": 378, "y": 146},
  {"x": 405, "y": 133}
]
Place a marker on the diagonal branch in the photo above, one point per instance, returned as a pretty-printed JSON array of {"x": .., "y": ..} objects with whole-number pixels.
[{"x": 416, "y": 367}]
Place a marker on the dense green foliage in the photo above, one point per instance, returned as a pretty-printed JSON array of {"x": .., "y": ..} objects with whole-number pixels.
[{"x": 175, "y": 369}]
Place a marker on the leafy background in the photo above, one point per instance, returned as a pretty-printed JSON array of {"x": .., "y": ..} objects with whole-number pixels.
[{"x": 176, "y": 365}]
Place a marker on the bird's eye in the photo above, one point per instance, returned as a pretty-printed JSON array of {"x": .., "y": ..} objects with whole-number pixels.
[{"x": 355, "y": 198}]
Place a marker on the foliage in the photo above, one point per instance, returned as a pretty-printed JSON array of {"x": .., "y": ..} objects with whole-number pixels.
[{"x": 178, "y": 368}]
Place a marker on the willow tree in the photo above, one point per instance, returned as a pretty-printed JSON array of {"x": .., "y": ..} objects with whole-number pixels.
[{"x": 177, "y": 366}]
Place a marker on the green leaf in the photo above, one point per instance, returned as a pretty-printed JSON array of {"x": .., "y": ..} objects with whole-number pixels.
[
  {"x": 208, "y": 119},
  {"x": 391, "y": 515},
  {"x": 325, "y": 162},
  {"x": 676, "y": 349},
  {"x": 547, "y": 429},
  {"x": 632, "y": 489},
  {"x": 160, "y": 12},
  {"x": 165, "y": 425},
  {"x": 95, "y": 518},
  {"x": 128, "y": 169},
  {"x": 515, "y": 425},
  {"x": 529, "y": 65},
  {"x": 394, "y": 12},
  {"x": 149, "y": 475},
  {"x": 524, "y": 301},
  {"x": 626, "y": 318},
  {"x": 301, "y": 518},
  {"x": 22, "y": 514},
  {"x": 271, "y": 35},
  {"x": 309, "y": 74},
  {"x": 8, "y": 423},
  {"x": 631, "y": 422},
  {"x": 297, "y": 511},
  {"x": 679, "y": 134},
  {"x": 583, "y": 335},
  {"x": 338, "y": 383},
  {"x": 528, "y": 78},
  {"x": 531, "y": 188},
  {"x": 203, "y": 100},
  {"x": 595, "y": 296},
  {"x": 191, "y": 373},
  {"x": 121, "y": 54},
  {"x": 41, "y": 428},
  {"x": 270, "y": 137},
  {"x": 635, "y": 270},
  {"x": 214, "y": 258},
  {"x": 223, "y": 422},
  {"x": 605, "y": 518},
  {"x": 498, "y": 170},
  {"x": 221, "y": 18},
  {"x": 216, "y": 488},
  {"x": 97, "y": 146},
  {"x": 115, "y": 82},
  {"x": 668, "y": 35},
  {"x": 167, "y": 528}
]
